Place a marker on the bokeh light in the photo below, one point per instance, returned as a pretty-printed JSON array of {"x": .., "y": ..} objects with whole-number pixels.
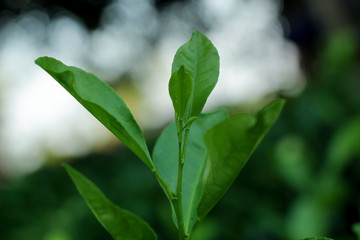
[{"x": 134, "y": 39}]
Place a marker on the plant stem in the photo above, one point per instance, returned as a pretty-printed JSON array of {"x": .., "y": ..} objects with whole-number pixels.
[
  {"x": 182, "y": 143},
  {"x": 186, "y": 137},
  {"x": 178, "y": 206}
]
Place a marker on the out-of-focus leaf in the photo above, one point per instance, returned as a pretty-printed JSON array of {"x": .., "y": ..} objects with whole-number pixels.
[
  {"x": 356, "y": 229},
  {"x": 121, "y": 224},
  {"x": 165, "y": 157},
  {"x": 339, "y": 53},
  {"x": 201, "y": 59},
  {"x": 344, "y": 145},
  {"x": 180, "y": 88},
  {"x": 308, "y": 216},
  {"x": 102, "y": 102},
  {"x": 229, "y": 146},
  {"x": 317, "y": 238},
  {"x": 293, "y": 161}
]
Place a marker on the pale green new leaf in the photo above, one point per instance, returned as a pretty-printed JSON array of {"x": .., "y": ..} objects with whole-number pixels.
[
  {"x": 201, "y": 60},
  {"x": 102, "y": 102},
  {"x": 165, "y": 157},
  {"x": 120, "y": 223},
  {"x": 229, "y": 145},
  {"x": 180, "y": 88}
]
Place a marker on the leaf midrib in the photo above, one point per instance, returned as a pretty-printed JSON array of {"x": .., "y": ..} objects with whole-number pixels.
[{"x": 192, "y": 198}]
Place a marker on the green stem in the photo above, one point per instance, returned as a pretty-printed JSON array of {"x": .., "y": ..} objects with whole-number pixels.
[
  {"x": 178, "y": 206},
  {"x": 186, "y": 137},
  {"x": 177, "y": 199}
]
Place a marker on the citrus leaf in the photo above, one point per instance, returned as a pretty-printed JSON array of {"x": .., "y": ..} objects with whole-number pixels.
[
  {"x": 165, "y": 157},
  {"x": 229, "y": 145},
  {"x": 180, "y": 88},
  {"x": 102, "y": 102},
  {"x": 120, "y": 223},
  {"x": 201, "y": 60}
]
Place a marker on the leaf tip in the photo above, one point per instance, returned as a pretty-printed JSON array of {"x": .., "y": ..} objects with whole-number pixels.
[
  {"x": 49, "y": 64},
  {"x": 65, "y": 165},
  {"x": 278, "y": 103},
  {"x": 197, "y": 32},
  {"x": 182, "y": 68},
  {"x": 281, "y": 100},
  {"x": 38, "y": 61},
  {"x": 42, "y": 60}
]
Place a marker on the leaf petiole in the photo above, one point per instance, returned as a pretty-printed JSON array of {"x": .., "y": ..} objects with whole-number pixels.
[{"x": 189, "y": 122}]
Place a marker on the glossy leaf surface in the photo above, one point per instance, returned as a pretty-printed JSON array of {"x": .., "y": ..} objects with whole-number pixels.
[
  {"x": 229, "y": 146},
  {"x": 165, "y": 157},
  {"x": 201, "y": 60},
  {"x": 180, "y": 88},
  {"x": 120, "y": 223},
  {"x": 102, "y": 102}
]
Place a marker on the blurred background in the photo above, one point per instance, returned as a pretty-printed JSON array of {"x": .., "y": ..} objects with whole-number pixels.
[{"x": 302, "y": 181}]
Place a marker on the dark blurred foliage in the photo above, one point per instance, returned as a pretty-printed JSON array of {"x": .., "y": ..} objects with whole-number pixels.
[
  {"x": 45, "y": 205},
  {"x": 303, "y": 180},
  {"x": 89, "y": 11}
]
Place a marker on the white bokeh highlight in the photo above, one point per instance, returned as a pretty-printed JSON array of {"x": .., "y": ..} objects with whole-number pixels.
[{"x": 39, "y": 118}]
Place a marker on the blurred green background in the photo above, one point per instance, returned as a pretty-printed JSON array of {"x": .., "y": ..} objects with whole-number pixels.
[{"x": 303, "y": 180}]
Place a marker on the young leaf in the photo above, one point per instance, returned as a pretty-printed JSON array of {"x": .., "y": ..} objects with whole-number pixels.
[
  {"x": 201, "y": 60},
  {"x": 229, "y": 145},
  {"x": 180, "y": 88},
  {"x": 102, "y": 102},
  {"x": 165, "y": 157},
  {"x": 120, "y": 223}
]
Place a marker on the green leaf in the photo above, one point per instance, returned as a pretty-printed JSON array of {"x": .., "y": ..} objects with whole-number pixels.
[
  {"x": 165, "y": 157},
  {"x": 180, "y": 88},
  {"x": 201, "y": 60},
  {"x": 229, "y": 146},
  {"x": 120, "y": 223},
  {"x": 343, "y": 147},
  {"x": 356, "y": 229},
  {"x": 102, "y": 102}
]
